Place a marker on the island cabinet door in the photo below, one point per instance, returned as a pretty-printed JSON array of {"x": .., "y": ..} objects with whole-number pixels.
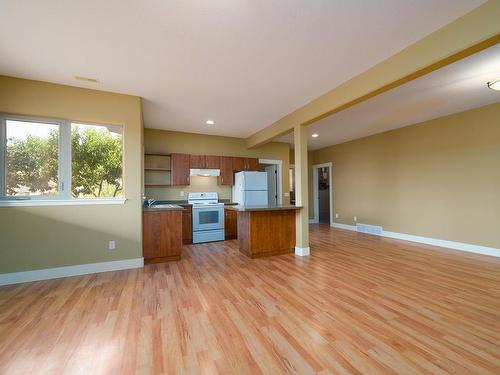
[
  {"x": 226, "y": 171},
  {"x": 180, "y": 169}
]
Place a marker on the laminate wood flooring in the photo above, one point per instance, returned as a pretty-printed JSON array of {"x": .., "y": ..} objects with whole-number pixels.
[{"x": 359, "y": 304}]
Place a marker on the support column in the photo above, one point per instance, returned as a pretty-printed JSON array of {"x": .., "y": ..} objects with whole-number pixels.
[{"x": 300, "y": 136}]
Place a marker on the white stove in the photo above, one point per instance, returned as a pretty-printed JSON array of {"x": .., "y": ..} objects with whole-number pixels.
[{"x": 208, "y": 217}]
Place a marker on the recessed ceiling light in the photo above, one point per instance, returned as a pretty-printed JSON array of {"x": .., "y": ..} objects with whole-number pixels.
[
  {"x": 494, "y": 85},
  {"x": 86, "y": 79},
  {"x": 210, "y": 122},
  {"x": 315, "y": 135}
]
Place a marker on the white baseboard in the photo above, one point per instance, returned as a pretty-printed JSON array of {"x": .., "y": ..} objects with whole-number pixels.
[
  {"x": 344, "y": 226},
  {"x": 313, "y": 221},
  {"x": 302, "y": 251},
  {"x": 81, "y": 269},
  {"x": 471, "y": 248}
]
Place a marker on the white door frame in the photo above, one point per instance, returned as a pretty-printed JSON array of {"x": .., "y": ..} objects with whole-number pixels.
[
  {"x": 279, "y": 167},
  {"x": 316, "y": 191}
]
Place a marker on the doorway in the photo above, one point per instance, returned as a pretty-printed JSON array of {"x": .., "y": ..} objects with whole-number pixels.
[
  {"x": 323, "y": 197},
  {"x": 273, "y": 170}
]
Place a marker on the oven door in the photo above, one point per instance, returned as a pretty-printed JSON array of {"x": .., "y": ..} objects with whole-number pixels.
[{"x": 208, "y": 218}]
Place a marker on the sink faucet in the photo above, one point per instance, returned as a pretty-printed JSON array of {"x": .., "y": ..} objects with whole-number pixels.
[{"x": 151, "y": 201}]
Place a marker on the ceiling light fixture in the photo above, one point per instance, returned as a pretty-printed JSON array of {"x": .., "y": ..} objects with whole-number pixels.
[
  {"x": 210, "y": 122},
  {"x": 315, "y": 135},
  {"x": 494, "y": 85}
]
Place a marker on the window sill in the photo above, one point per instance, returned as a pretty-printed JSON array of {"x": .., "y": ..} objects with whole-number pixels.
[{"x": 61, "y": 202}]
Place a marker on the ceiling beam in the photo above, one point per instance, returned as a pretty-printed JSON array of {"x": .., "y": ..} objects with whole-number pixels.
[{"x": 469, "y": 34}]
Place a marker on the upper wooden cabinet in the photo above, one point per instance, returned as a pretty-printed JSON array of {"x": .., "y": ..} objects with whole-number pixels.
[
  {"x": 226, "y": 171},
  {"x": 245, "y": 164},
  {"x": 212, "y": 162},
  {"x": 180, "y": 169},
  {"x": 197, "y": 161},
  {"x": 238, "y": 164},
  {"x": 204, "y": 162},
  {"x": 252, "y": 164}
]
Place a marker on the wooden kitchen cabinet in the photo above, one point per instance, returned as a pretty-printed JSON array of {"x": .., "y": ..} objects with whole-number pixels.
[
  {"x": 187, "y": 224},
  {"x": 212, "y": 162},
  {"x": 230, "y": 225},
  {"x": 252, "y": 164},
  {"x": 204, "y": 161},
  {"x": 238, "y": 164},
  {"x": 245, "y": 164},
  {"x": 162, "y": 236},
  {"x": 226, "y": 171},
  {"x": 179, "y": 163},
  {"x": 197, "y": 161}
]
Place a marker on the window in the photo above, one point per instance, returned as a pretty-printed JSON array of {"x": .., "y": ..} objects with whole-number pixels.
[
  {"x": 31, "y": 159},
  {"x": 42, "y": 159},
  {"x": 96, "y": 161}
]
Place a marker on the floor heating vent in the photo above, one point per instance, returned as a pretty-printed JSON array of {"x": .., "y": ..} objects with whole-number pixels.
[{"x": 370, "y": 229}]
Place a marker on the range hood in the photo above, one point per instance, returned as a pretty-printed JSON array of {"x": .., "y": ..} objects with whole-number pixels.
[{"x": 204, "y": 172}]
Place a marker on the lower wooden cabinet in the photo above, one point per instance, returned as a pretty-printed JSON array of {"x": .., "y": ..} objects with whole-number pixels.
[
  {"x": 162, "y": 236},
  {"x": 230, "y": 225},
  {"x": 187, "y": 224}
]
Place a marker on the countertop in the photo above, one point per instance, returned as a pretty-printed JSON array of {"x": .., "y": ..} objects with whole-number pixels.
[
  {"x": 279, "y": 207},
  {"x": 226, "y": 202},
  {"x": 163, "y": 207}
]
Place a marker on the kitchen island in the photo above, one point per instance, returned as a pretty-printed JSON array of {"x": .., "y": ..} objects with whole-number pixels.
[{"x": 266, "y": 230}]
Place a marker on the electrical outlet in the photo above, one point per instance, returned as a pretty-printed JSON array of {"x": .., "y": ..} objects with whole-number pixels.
[
  {"x": 336, "y": 216},
  {"x": 182, "y": 193},
  {"x": 111, "y": 245},
  {"x": 355, "y": 218},
  {"x": 286, "y": 194}
]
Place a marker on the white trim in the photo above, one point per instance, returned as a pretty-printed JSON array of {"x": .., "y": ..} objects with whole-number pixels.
[
  {"x": 61, "y": 202},
  {"x": 270, "y": 161},
  {"x": 344, "y": 226},
  {"x": 316, "y": 189},
  {"x": 313, "y": 221},
  {"x": 58, "y": 272},
  {"x": 471, "y": 248},
  {"x": 3, "y": 131},
  {"x": 302, "y": 251},
  {"x": 279, "y": 167}
]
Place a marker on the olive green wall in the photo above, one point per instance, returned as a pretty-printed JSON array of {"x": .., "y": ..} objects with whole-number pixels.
[
  {"x": 45, "y": 237},
  {"x": 438, "y": 179},
  {"x": 199, "y": 144}
]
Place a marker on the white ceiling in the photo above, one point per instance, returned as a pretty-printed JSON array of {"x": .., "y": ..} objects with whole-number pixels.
[
  {"x": 454, "y": 88},
  {"x": 242, "y": 63}
]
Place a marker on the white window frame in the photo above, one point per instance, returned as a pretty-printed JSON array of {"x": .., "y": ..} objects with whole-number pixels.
[{"x": 64, "y": 166}]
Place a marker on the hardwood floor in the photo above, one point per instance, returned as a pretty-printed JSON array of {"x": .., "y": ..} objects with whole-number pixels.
[{"x": 359, "y": 305}]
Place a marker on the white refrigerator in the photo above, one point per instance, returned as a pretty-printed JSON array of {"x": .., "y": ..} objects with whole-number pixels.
[{"x": 250, "y": 188}]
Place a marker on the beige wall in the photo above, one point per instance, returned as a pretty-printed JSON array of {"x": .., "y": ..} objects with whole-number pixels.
[
  {"x": 437, "y": 179},
  {"x": 189, "y": 143},
  {"x": 44, "y": 237}
]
